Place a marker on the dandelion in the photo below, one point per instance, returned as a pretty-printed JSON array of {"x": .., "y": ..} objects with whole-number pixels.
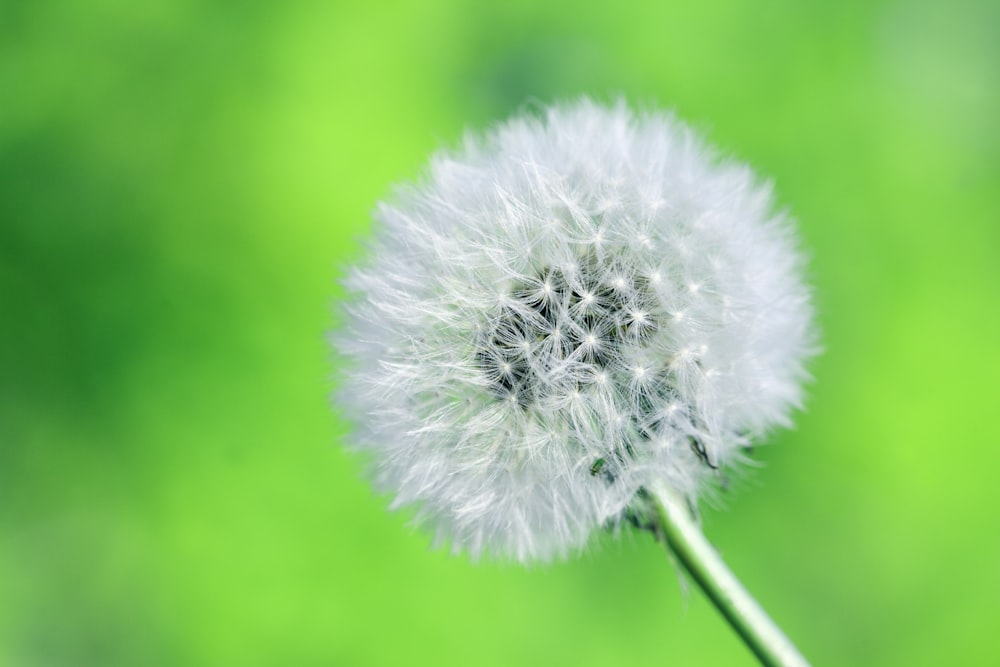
[{"x": 579, "y": 319}]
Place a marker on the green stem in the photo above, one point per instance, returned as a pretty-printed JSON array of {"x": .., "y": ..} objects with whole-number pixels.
[{"x": 679, "y": 530}]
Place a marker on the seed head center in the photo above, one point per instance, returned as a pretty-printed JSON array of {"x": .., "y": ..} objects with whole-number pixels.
[{"x": 561, "y": 319}]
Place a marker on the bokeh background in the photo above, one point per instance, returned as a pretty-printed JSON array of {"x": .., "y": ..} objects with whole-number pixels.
[{"x": 181, "y": 186}]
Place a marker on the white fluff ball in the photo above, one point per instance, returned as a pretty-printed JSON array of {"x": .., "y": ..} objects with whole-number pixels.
[{"x": 564, "y": 311}]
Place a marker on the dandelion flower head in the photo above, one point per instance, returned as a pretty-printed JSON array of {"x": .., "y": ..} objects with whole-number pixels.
[{"x": 579, "y": 304}]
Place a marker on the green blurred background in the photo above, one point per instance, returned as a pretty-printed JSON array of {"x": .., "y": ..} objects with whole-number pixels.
[{"x": 181, "y": 185}]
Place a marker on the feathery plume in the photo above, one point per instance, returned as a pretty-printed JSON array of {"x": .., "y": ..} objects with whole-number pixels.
[{"x": 564, "y": 312}]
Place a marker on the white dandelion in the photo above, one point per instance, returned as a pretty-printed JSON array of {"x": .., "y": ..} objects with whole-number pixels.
[
  {"x": 576, "y": 310},
  {"x": 563, "y": 313}
]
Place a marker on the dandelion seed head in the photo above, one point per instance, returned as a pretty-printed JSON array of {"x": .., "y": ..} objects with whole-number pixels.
[{"x": 564, "y": 311}]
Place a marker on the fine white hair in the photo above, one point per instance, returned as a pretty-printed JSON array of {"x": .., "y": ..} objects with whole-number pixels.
[{"x": 579, "y": 304}]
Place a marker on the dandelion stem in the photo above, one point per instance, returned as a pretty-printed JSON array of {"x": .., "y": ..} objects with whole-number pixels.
[{"x": 678, "y": 529}]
